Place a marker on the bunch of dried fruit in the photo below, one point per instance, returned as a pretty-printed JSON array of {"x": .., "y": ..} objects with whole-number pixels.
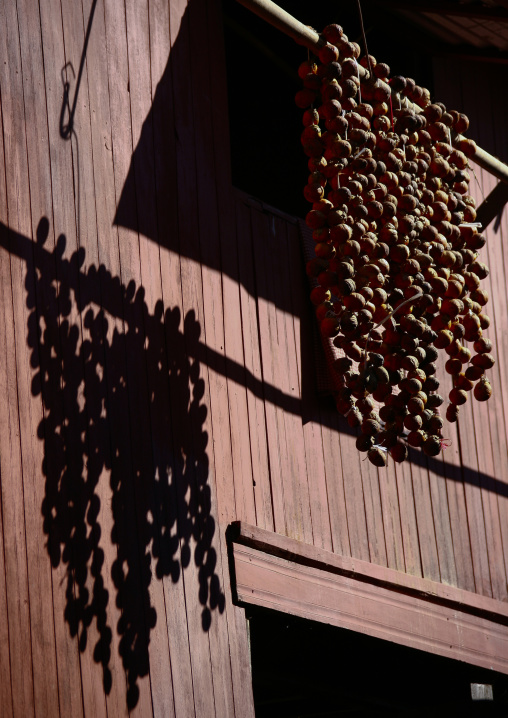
[{"x": 396, "y": 269}]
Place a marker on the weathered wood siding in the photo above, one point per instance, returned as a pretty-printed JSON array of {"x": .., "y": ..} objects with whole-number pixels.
[{"x": 157, "y": 379}]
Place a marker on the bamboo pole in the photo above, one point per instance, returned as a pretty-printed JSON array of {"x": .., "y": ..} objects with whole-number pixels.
[
  {"x": 282, "y": 20},
  {"x": 304, "y": 35}
]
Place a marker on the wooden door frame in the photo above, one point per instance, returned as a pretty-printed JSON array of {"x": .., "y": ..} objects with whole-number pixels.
[{"x": 286, "y": 575}]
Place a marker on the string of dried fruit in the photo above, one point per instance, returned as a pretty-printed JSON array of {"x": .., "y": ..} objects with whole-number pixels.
[{"x": 397, "y": 268}]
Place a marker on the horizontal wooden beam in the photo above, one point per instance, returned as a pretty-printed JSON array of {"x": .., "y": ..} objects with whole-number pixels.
[
  {"x": 286, "y": 575},
  {"x": 282, "y": 20}
]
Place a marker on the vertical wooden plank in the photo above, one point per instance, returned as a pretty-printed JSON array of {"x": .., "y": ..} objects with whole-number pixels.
[
  {"x": 252, "y": 357},
  {"x": 142, "y": 81},
  {"x": 118, "y": 491},
  {"x": 439, "y": 499},
  {"x": 409, "y": 526},
  {"x": 496, "y": 258},
  {"x": 63, "y": 215},
  {"x": 391, "y": 517},
  {"x": 290, "y": 381},
  {"x": 239, "y": 646},
  {"x": 208, "y": 304},
  {"x": 21, "y": 418},
  {"x": 488, "y": 421},
  {"x": 208, "y": 675},
  {"x": 472, "y": 488},
  {"x": 42, "y": 610},
  {"x": 245, "y": 482},
  {"x": 265, "y": 317},
  {"x": 353, "y": 492},
  {"x": 457, "y": 510},
  {"x": 425, "y": 522},
  {"x": 18, "y": 608},
  {"x": 6, "y": 705},
  {"x": 209, "y": 254},
  {"x": 88, "y": 454},
  {"x": 490, "y": 418},
  {"x": 335, "y": 478},
  {"x": 442, "y": 526},
  {"x": 134, "y": 586},
  {"x": 466, "y": 431},
  {"x": 373, "y": 512},
  {"x": 6, "y": 323},
  {"x": 216, "y": 224},
  {"x": 312, "y": 438},
  {"x": 167, "y": 226},
  {"x": 286, "y": 460},
  {"x": 163, "y": 605}
]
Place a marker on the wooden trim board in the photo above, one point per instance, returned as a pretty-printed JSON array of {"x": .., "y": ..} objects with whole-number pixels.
[{"x": 286, "y": 575}]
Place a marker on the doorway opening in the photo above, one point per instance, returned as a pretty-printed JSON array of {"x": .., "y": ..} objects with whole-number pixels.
[{"x": 306, "y": 669}]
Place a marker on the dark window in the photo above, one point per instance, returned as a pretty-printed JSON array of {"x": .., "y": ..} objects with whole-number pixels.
[
  {"x": 305, "y": 669},
  {"x": 267, "y": 160}
]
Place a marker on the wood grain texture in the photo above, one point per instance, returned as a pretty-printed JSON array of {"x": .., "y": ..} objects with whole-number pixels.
[
  {"x": 21, "y": 458},
  {"x": 266, "y": 505},
  {"x": 7, "y": 434},
  {"x": 203, "y": 644},
  {"x": 271, "y": 544},
  {"x": 312, "y": 438},
  {"x": 276, "y": 583},
  {"x": 158, "y": 374}
]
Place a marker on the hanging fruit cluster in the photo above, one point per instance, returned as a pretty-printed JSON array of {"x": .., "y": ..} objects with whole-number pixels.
[{"x": 396, "y": 271}]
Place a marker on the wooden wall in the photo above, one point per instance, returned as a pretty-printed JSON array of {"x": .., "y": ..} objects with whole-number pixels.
[{"x": 157, "y": 379}]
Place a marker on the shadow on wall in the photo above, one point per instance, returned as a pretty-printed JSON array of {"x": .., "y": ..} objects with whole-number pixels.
[{"x": 123, "y": 405}]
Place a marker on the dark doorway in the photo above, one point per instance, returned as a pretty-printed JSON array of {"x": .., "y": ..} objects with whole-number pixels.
[{"x": 304, "y": 669}]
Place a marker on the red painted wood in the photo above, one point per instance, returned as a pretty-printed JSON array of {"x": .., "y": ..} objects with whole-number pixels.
[
  {"x": 20, "y": 457},
  {"x": 16, "y": 580},
  {"x": 276, "y": 583},
  {"x": 497, "y": 407},
  {"x": 391, "y": 517},
  {"x": 353, "y": 492},
  {"x": 371, "y": 478},
  {"x": 266, "y": 515},
  {"x": 234, "y": 644},
  {"x": 335, "y": 485},
  {"x": 286, "y": 548},
  {"x": 490, "y": 417},
  {"x": 202, "y": 47},
  {"x": 167, "y": 225},
  {"x": 485, "y": 433},
  {"x": 205, "y": 676},
  {"x": 105, "y": 252},
  {"x": 46, "y": 690},
  {"x": 133, "y": 405},
  {"x": 457, "y": 510},
  {"x": 425, "y": 522},
  {"x": 204, "y": 355},
  {"x": 276, "y": 438},
  {"x": 455, "y": 93},
  {"x": 287, "y": 370},
  {"x": 141, "y": 98},
  {"x": 62, "y": 217},
  {"x": 412, "y": 559},
  {"x": 312, "y": 437},
  {"x": 6, "y": 324},
  {"x": 5, "y": 668}
]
